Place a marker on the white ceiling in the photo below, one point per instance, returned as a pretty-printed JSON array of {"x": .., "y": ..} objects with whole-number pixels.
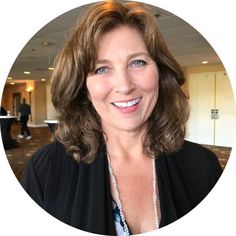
[{"x": 187, "y": 45}]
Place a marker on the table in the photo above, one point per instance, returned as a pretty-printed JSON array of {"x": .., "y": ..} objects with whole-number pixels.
[
  {"x": 52, "y": 124},
  {"x": 6, "y": 122}
]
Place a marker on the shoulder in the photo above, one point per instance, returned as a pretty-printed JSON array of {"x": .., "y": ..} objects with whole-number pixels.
[
  {"x": 188, "y": 175},
  {"x": 194, "y": 153},
  {"x": 193, "y": 161},
  {"x": 200, "y": 155},
  {"x": 45, "y": 164},
  {"x": 47, "y": 153},
  {"x": 51, "y": 158},
  {"x": 41, "y": 178},
  {"x": 50, "y": 148}
]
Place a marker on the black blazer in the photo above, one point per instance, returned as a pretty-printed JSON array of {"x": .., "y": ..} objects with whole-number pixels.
[{"x": 79, "y": 194}]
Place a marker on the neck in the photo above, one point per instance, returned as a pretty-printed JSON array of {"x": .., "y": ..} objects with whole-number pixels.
[{"x": 122, "y": 144}]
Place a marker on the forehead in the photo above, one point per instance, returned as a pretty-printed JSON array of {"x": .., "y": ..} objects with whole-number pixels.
[{"x": 120, "y": 40}]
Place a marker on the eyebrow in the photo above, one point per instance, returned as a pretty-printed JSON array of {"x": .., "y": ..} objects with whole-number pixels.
[{"x": 133, "y": 55}]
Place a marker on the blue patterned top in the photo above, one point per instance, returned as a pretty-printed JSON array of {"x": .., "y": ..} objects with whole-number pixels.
[{"x": 119, "y": 226}]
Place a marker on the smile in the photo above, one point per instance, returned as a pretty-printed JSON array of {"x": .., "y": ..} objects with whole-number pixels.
[{"x": 127, "y": 104}]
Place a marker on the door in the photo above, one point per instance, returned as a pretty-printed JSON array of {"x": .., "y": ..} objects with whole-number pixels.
[
  {"x": 16, "y": 102},
  {"x": 200, "y": 127},
  {"x": 225, "y": 125},
  {"x": 212, "y": 110}
]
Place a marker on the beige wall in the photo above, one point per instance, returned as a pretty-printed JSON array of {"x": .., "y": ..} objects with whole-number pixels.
[
  {"x": 38, "y": 105},
  {"x": 204, "y": 68},
  {"x": 51, "y": 112},
  {"x": 200, "y": 69}
]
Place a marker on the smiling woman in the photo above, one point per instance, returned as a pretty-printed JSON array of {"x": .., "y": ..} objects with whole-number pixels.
[
  {"x": 120, "y": 164},
  {"x": 124, "y": 87}
]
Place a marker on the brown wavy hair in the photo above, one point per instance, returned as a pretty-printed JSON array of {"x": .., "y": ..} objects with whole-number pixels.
[{"x": 79, "y": 127}]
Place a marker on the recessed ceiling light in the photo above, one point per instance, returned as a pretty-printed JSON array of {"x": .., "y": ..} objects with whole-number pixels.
[
  {"x": 12, "y": 83},
  {"x": 43, "y": 79},
  {"x": 9, "y": 77},
  {"x": 47, "y": 44},
  {"x": 204, "y": 62},
  {"x": 51, "y": 68},
  {"x": 26, "y": 72}
]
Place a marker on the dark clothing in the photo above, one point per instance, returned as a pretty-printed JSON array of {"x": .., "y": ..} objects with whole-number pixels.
[
  {"x": 25, "y": 111},
  {"x": 7, "y": 140},
  {"x": 24, "y": 127},
  {"x": 3, "y": 112},
  {"x": 79, "y": 194}
]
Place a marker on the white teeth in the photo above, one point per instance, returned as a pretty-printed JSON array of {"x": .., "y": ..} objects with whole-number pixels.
[{"x": 127, "y": 104}]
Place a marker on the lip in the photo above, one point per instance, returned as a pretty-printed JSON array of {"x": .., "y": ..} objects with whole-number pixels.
[{"x": 127, "y": 106}]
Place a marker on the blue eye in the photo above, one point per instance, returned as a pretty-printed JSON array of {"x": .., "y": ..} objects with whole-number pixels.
[
  {"x": 102, "y": 70},
  {"x": 137, "y": 63}
]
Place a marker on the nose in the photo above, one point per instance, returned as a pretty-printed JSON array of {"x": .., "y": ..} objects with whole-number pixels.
[{"x": 123, "y": 82}]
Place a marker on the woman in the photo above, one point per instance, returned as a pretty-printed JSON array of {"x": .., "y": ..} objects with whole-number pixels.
[{"x": 120, "y": 164}]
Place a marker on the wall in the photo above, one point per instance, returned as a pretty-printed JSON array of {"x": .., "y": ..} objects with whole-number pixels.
[
  {"x": 38, "y": 104},
  {"x": 200, "y": 69},
  {"x": 204, "y": 68},
  {"x": 51, "y": 112},
  {"x": 7, "y": 96}
]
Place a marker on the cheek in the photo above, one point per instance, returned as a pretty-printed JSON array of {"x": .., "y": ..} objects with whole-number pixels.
[
  {"x": 154, "y": 83},
  {"x": 150, "y": 83},
  {"x": 98, "y": 90}
]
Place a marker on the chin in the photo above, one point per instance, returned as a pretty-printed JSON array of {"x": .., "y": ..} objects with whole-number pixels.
[{"x": 129, "y": 127}]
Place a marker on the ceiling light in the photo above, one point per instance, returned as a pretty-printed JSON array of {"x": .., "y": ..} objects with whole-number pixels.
[
  {"x": 29, "y": 89},
  {"x": 47, "y": 44},
  {"x": 9, "y": 77},
  {"x": 12, "y": 83},
  {"x": 51, "y": 68},
  {"x": 26, "y": 72},
  {"x": 43, "y": 79},
  {"x": 204, "y": 62}
]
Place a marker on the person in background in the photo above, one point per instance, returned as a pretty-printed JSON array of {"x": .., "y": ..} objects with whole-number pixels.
[
  {"x": 120, "y": 164},
  {"x": 24, "y": 113}
]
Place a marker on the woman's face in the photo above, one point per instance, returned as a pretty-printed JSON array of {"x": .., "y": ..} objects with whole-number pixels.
[{"x": 124, "y": 86}]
